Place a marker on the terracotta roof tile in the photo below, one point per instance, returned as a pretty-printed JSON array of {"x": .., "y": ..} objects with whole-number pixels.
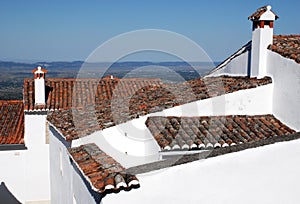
[
  {"x": 101, "y": 170},
  {"x": 260, "y": 11},
  {"x": 67, "y": 93},
  {"x": 107, "y": 111},
  {"x": 11, "y": 122},
  {"x": 215, "y": 131},
  {"x": 287, "y": 45}
]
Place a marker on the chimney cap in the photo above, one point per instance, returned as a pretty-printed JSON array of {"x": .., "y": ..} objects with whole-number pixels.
[
  {"x": 259, "y": 14},
  {"x": 39, "y": 69}
]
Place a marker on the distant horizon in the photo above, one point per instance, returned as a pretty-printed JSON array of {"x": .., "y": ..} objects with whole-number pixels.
[{"x": 74, "y": 61}]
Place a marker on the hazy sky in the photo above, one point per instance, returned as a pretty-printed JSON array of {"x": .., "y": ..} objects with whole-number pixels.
[{"x": 57, "y": 30}]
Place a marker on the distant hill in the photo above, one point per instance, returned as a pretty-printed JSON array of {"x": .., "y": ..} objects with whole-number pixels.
[{"x": 13, "y": 73}]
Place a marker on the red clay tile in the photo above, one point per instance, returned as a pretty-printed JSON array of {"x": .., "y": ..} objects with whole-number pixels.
[
  {"x": 260, "y": 11},
  {"x": 287, "y": 45},
  {"x": 192, "y": 132},
  {"x": 82, "y": 112},
  {"x": 11, "y": 122},
  {"x": 103, "y": 171}
]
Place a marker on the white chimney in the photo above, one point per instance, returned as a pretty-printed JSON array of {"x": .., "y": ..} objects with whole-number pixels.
[
  {"x": 262, "y": 36},
  {"x": 39, "y": 85}
]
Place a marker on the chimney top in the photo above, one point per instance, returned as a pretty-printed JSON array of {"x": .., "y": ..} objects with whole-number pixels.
[
  {"x": 39, "y": 69},
  {"x": 263, "y": 13}
]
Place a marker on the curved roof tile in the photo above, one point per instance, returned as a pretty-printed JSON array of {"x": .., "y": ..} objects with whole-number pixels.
[
  {"x": 101, "y": 170},
  {"x": 213, "y": 131},
  {"x": 11, "y": 122}
]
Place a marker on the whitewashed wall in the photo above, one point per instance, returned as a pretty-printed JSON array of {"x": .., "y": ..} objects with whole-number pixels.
[
  {"x": 67, "y": 186},
  {"x": 237, "y": 65},
  {"x": 26, "y": 172},
  {"x": 138, "y": 146},
  {"x": 37, "y": 169},
  {"x": 82, "y": 192},
  {"x": 12, "y": 172},
  {"x": 60, "y": 174},
  {"x": 286, "y": 99},
  {"x": 270, "y": 172},
  {"x": 256, "y": 101}
]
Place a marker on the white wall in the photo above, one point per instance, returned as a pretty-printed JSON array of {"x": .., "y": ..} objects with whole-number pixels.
[
  {"x": 256, "y": 101},
  {"x": 12, "y": 172},
  {"x": 237, "y": 66},
  {"x": 138, "y": 146},
  {"x": 60, "y": 174},
  {"x": 268, "y": 174},
  {"x": 81, "y": 192},
  {"x": 135, "y": 147},
  {"x": 26, "y": 172},
  {"x": 66, "y": 182},
  {"x": 286, "y": 99},
  {"x": 37, "y": 168}
]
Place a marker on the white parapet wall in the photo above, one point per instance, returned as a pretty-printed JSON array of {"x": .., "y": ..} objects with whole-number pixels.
[
  {"x": 255, "y": 101},
  {"x": 286, "y": 98},
  {"x": 236, "y": 65},
  {"x": 132, "y": 144}
]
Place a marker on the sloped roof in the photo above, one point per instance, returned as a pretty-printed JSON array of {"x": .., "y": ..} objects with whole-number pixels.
[
  {"x": 101, "y": 170},
  {"x": 215, "y": 131},
  {"x": 107, "y": 111},
  {"x": 259, "y": 12},
  {"x": 287, "y": 45},
  {"x": 11, "y": 122},
  {"x": 66, "y": 93}
]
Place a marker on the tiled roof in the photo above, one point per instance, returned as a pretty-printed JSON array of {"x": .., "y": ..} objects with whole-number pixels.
[
  {"x": 67, "y": 93},
  {"x": 215, "y": 131},
  {"x": 287, "y": 45},
  {"x": 108, "y": 111},
  {"x": 101, "y": 170},
  {"x": 260, "y": 11},
  {"x": 11, "y": 122}
]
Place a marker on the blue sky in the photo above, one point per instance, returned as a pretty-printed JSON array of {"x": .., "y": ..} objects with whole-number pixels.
[{"x": 57, "y": 30}]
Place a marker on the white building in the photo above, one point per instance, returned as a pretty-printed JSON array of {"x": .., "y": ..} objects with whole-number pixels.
[
  {"x": 24, "y": 147},
  {"x": 114, "y": 135}
]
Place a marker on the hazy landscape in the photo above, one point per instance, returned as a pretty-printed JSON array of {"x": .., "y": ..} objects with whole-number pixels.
[{"x": 14, "y": 73}]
